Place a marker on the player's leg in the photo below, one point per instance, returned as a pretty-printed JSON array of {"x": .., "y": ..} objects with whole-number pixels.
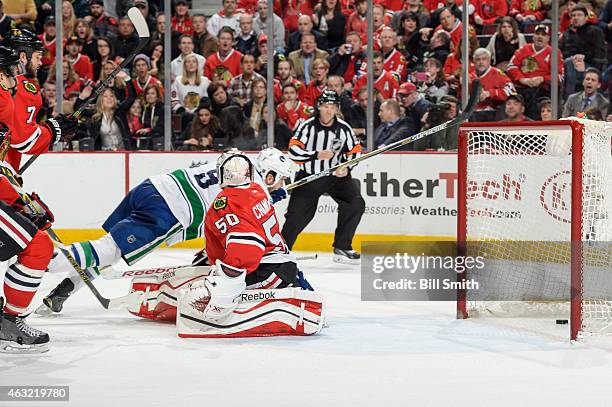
[
  {"x": 351, "y": 207},
  {"x": 141, "y": 223},
  {"x": 34, "y": 250},
  {"x": 302, "y": 207}
]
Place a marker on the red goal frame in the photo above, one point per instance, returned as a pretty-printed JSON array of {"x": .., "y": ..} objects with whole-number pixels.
[{"x": 577, "y": 130}]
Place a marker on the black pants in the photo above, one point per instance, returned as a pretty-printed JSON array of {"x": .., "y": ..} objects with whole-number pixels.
[{"x": 303, "y": 206}]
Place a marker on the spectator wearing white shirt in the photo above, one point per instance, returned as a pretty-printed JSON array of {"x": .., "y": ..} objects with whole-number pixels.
[
  {"x": 260, "y": 24},
  {"x": 191, "y": 81},
  {"x": 186, "y": 47},
  {"x": 228, "y": 16}
]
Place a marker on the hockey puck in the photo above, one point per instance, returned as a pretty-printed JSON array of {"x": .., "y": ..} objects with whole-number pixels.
[{"x": 562, "y": 322}]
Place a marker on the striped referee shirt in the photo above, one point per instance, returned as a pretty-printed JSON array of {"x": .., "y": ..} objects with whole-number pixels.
[{"x": 311, "y": 136}]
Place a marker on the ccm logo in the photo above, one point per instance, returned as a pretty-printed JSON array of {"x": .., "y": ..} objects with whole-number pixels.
[
  {"x": 258, "y": 296},
  {"x": 555, "y": 196}
]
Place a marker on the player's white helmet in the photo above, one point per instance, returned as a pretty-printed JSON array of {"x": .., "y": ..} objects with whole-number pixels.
[
  {"x": 272, "y": 160},
  {"x": 234, "y": 169}
]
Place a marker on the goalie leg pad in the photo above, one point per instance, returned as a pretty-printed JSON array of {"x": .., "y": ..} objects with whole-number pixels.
[
  {"x": 161, "y": 291},
  {"x": 282, "y": 312}
]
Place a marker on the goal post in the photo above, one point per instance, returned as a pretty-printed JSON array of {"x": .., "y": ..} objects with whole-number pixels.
[{"x": 536, "y": 198}]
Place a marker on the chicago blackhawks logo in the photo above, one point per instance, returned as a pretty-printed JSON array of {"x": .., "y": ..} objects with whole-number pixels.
[
  {"x": 30, "y": 87},
  {"x": 220, "y": 203},
  {"x": 529, "y": 64}
]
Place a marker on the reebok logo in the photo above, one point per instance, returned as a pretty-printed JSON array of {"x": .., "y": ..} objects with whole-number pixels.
[{"x": 261, "y": 296}]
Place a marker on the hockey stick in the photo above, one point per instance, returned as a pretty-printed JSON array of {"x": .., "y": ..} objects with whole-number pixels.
[
  {"x": 109, "y": 273},
  {"x": 142, "y": 29},
  {"x": 474, "y": 97}
]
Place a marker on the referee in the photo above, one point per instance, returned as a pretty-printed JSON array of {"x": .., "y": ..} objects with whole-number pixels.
[{"x": 319, "y": 143}]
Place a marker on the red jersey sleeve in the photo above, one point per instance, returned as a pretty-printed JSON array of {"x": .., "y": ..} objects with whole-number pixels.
[{"x": 8, "y": 193}]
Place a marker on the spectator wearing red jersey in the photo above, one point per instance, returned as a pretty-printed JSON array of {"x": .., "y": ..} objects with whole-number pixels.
[
  {"x": 225, "y": 63},
  {"x": 530, "y": 69},
  {"x": 283, "y": 78},
  {"x": 247, "y": 6},
  {"x": 453, "y": 66},
  {"x": 81, "y": 64},
  {"x": 380, "y": 19},
  {"x": 142, "y": 79},
  {"x": 496, "y": 86},
  {"x": 314, "y": 89},
  {"x": 292, "y": 110},
  {"x": 527, "y": 11},
  {"x": 290, "y": 10},
  {"x": 357, "y": 21},
  {"x": 181, "y": 21},
  {"x": 489, "y": 12},
  {"x": 449, "y": 23},
  {"x": 394, "y": 60},
  {"x": 226, "y": 17},
  {"x": 348, "y": 59},
  {"x": 384, "y": 82},
  {"x": 48, "y": 38},
  {"x": 72, "y": 83}
]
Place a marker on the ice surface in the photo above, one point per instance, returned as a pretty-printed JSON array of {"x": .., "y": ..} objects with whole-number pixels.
[{"x": 372, "y": 354}]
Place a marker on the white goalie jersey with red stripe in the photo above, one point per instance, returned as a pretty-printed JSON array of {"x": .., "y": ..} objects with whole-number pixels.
[{"x": 241, "y": 229}]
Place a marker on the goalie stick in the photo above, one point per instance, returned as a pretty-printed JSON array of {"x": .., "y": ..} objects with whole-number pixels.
[
  {"x": 109, "y": 273},
  {"x": 142, "y": 29},
  {"x": 467, "y": 112}
]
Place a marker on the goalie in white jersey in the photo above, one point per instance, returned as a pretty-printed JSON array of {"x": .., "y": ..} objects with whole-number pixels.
[{"x": 166, "y": 208}]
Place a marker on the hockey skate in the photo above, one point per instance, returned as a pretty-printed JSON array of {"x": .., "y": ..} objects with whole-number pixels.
[
  {"x": 54, "y": 302},
  {"x": 18, "y": 337},
  {"x": 346, "y": 256}
]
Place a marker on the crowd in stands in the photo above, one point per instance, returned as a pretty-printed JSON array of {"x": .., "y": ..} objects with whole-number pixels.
[{"x": 219, "y": 65}]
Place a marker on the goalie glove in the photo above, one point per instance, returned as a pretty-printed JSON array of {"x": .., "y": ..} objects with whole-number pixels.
[
  {"x": 216, "y": 297},
  {"x": 62, "y": 127}
]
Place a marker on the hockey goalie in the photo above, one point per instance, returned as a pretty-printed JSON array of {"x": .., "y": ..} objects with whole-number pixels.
[{"x": 253, "y": 287}]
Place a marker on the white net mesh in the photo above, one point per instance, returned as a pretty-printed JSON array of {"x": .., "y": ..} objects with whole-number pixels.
[{"x": 519, "y": 206}]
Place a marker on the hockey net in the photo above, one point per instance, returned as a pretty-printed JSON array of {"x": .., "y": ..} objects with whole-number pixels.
[{"x": 535, "y": 200}]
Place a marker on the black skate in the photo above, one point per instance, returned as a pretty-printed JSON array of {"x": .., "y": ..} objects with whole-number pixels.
[
  {"x": 347, "y": 256},
  {"x": 54, "y": 302},
  {"x": 18, "y": 337}
]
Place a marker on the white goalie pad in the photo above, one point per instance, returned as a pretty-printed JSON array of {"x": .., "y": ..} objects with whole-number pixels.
[
  {"x": 160, "y": 291},
  {"x": 282, "y": 312}
]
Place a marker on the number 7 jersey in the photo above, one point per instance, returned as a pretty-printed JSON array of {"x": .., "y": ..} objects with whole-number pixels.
[{"x": 241, "y": 229}]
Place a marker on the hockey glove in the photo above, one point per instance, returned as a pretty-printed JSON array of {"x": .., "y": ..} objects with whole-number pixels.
[
  {"x": 278, "y": 195},
  {"x": 37, "y": 218},
  {"x": 62, "y": 127}
]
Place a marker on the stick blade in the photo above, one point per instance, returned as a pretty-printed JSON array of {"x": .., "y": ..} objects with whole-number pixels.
[{"x": 140, "y": 24}]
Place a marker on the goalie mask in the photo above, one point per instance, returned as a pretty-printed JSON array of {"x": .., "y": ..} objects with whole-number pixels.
[
  {"x": 273, "y": 161},
  {"x": 234, "y": 169}
]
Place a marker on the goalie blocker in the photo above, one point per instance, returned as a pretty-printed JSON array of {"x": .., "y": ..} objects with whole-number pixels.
[{"x": 260, "y": 312}]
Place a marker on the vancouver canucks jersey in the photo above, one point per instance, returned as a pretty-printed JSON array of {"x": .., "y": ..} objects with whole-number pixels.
[{"x": 189, "y": 192}]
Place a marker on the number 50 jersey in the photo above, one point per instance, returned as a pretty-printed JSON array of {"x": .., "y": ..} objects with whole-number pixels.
[{"x": 242, "y": 231}]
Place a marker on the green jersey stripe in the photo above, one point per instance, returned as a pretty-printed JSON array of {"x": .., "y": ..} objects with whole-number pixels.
[{"x": 195, "y": 202}]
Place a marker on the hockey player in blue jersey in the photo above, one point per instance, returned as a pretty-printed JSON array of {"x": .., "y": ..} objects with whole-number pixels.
[{"x": 166, "y": 208}]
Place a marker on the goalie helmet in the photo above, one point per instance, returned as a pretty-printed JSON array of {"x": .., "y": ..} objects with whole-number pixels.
[
  {"x": 272, "y": 161},
  {"x": 22, "y": 40},
  {"x": 234, "y": 169}
]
